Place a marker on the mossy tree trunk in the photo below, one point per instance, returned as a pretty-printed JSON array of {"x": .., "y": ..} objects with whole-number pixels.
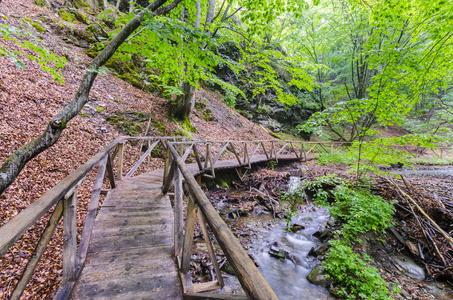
[{"x": 17, "y": 160}]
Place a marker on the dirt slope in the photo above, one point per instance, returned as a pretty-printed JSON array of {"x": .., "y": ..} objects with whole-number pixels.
[{"x": 30, "y": 98}]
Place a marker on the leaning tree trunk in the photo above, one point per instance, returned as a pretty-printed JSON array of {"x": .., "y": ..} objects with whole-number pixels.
[{"x": 16, "y": 161}]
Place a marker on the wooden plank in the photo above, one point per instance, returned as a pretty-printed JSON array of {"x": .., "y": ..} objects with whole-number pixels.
[
  {"x": 208, "y": 296},
  {"x": 13, "y": 229},
  {"x": 188, "y": 235},
  {"x": 279, "y": 151},
  {"x": 254, "y": 151},
  {"x": 294, "y": 150},
  {"x": 146, "y": 285},
  {"x": 235, "y": 153},
  {"x": 250, "y": 278},
  {"x": 167, "y": 164},
  {"x": 110, "y": 174},
  {"x": 187, "y": 153},
  {"x": 39, "y": 250},
  {"x": 119, "y": 162},
  {"x": 197, "y": 157},
  {"x": 146, "y": 252},
  {"x": 169, "y": 179},
  {"x": 186, "y": 280},
  {"x": 69, "y": 237},
  {"x": 220, "y": 153},
  {"x": 210, "y": 250},
  {"x": 91, "y": 215},
  {"x": 206, "y": 286},
  {"x": 178, "y": 227},
  {"x": 142, "y": 159},
  {"x": 264, "y": 149}
]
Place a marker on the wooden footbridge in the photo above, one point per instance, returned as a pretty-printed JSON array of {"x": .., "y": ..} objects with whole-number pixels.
[{"x": 136, "y": 245}]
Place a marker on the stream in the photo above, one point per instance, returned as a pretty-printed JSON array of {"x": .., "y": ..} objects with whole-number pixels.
[{"x": 287, "y": 277}]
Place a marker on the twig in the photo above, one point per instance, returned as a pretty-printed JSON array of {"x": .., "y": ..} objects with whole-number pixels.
[{"x": 446, "y": 236}]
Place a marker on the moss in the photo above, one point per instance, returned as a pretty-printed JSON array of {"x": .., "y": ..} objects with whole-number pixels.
[
  {"x": 187, "y": 125},
  {"x": 40, "y": 3},
  {"x": 81, "y": 4},
  {"x": 96, "y": 32},
  {"x": 36, "y": 24},
  {"x": 200, "y": 105},
  {"x": 81, "y": 17},
  {"x": 182, "y": 132},
  {"x": 207, "y": 115},
  {"x": 276, "y": 136},
  {"x": 85, "y": 115},
  {"x": 66, "y": 15},
  {"x": 99, "y": 108},
  {"x": 160, "y": 127}
]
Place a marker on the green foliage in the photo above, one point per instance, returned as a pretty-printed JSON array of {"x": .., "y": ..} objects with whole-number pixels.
[
  {"x": 335, "y": 158},
  {"x": 358, "y": 279},
  {"x": 230, "y": 98},
  {"x": 360, "y": 212},
  {"x": 26, "y": 39},
  {"x": 99, "y": 108}
]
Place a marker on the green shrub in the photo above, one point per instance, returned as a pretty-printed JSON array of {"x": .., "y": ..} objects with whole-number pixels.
[
  {"x": 335, "y": 158},
  {"x": 358, "y": 279},
  {"x": 230, "y": 98}
]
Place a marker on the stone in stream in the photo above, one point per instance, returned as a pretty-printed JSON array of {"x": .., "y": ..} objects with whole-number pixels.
[
  {"x": 295, "y": 228},
  {"x": 319, "y": 250},
  {"x": 277, "y": 253},
  {"x": 317, "y": 276}
]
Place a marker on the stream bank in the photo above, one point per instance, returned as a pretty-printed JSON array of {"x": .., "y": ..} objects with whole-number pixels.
[{"x": 285, "y": 259}]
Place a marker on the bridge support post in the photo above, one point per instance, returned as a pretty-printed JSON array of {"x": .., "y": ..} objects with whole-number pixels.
[{"x": 178, "y": 229}]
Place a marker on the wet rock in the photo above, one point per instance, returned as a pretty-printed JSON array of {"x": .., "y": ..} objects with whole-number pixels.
[
  {"x": 227, "y": 268},
  {"x": 307, "y": 219},
  {"x": 317, "y": 276},
  {"x": 319, "y": 250},
  {"x": 411, "y": 268},
  {"x": 278, "y": 253},
  {"x": 295, "y": 228},
  {"x": 323, "y": 235}
]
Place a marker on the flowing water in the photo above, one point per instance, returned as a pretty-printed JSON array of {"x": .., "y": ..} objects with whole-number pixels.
[{"x": 288, "y": 277}]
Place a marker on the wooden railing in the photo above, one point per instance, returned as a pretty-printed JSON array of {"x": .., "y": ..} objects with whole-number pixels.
[{"x": 63, "y": 197}]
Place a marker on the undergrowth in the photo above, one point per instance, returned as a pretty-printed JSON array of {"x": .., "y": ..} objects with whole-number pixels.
[{"x": 360, "y": 212}]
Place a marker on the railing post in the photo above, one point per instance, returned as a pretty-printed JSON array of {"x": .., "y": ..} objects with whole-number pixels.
[
  {"x": 69, "y": 237},
  {"x": 188, "y": 235},
  {"x": 38, "y": 252},
  {"x": 119, "y": 174},
  {"x": 178, "y": 226}
]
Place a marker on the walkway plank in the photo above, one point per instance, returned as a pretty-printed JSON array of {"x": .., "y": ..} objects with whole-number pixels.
[
  {"x": 131, "y": 250},
  {"x": 130, "y": 255}
]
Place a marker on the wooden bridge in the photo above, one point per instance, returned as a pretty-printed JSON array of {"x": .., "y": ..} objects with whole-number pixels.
[{"x": 136, "y": 246}]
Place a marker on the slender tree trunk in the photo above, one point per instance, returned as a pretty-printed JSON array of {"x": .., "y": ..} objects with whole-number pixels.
[
  {"x": 17, "y": 160},
  {"x": 185, "y": 103}
]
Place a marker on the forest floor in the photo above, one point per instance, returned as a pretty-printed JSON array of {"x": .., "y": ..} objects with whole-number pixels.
[{"x": 30, "y": 98}]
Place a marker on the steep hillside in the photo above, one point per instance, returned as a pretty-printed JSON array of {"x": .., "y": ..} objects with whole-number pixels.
[{"x": 30, "y": 98}]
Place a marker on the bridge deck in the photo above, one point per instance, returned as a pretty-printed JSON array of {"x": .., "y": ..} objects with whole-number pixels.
[{"x": 131, "y": 250}]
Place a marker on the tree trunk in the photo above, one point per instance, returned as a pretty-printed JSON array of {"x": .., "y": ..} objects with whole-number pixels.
[
  {"x": 17, "y": 160},
  {"x": 184, "y": 103}
]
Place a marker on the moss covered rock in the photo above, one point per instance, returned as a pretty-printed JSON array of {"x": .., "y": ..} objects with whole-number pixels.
[
  {"x": 67, "y": 15},
  {"x": 41, "y": 3},
  {"x": 81, "y": 17}
]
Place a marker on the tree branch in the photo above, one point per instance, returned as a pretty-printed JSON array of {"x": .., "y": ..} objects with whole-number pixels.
[{"x": 19, "y": 158}]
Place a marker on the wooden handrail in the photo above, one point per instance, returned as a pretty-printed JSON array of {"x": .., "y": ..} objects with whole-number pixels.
[
  {"x": 13, "y": 229},
  {"x": 250, "y": 278}
]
